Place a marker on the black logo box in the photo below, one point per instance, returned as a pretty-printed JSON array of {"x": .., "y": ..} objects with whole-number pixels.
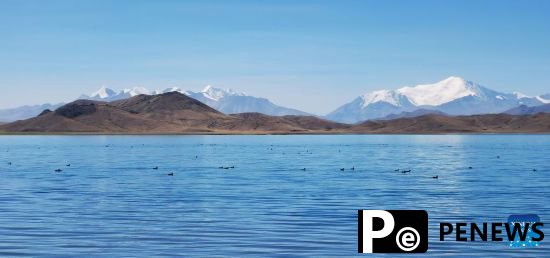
[{"x": 417, "y": 219}]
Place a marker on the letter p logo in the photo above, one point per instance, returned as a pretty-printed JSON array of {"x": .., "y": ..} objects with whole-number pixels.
[{"x": 392, "y": 231}]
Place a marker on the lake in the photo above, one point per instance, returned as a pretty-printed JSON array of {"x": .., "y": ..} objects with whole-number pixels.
[{"x": 111, "y": 201}]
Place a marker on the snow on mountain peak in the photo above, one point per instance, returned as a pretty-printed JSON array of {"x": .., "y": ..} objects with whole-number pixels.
[
  {"x": 216, "y": 93},
  {"x": 426, "y": 94},
  {"x": 106, "y": 94},
  {"x": 103, "y": 92},
  {"x": 520, "y": 95},
  {"x": 381, "y": 96},
  {"x": 440, "y": 92},
  {"x": 136, "y": 91}
]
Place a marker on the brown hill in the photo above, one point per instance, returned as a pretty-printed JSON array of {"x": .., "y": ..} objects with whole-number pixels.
[
  {"x": 83, "y": 116},
  {"x": 283, "y": 124},
  {"x": 490, "y": 123}
]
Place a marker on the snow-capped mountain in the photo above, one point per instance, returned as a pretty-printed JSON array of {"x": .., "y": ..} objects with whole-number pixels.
[
  {"x": 25, "y": 112},
  {"x": 224, "y": 100},
  {"x": 217, "y": 94},
  {"x": 106, "y": 94},
  {"x": 453, "y": 96},
  {"x": 229, "y": 101}
]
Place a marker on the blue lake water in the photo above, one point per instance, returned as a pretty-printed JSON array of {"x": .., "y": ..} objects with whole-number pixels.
[{"x": 111, "y": 202}]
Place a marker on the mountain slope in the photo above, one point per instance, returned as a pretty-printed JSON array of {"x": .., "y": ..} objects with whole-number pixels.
[
  {"x": 416, "y": 113},
  {"x": 289, "y": 123},
  {"x": 231, "y": 102},
  {"x": 453, "y": 96},
  {"x": 83, "y": 116},
  {"x": 525, "y": 110}
]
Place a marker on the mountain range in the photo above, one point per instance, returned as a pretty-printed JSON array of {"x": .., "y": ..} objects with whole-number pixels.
[
  {"x": 177, "y": 113},
  {"x": 170, "y": 112},
  {"x": 453, "y": 96},
  {"x": 226, "y": 101}
]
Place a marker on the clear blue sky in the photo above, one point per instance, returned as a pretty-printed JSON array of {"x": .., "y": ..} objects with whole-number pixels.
[{"x": 310, "y": 55}]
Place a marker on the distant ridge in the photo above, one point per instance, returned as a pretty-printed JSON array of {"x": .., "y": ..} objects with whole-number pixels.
[
  {"x": 525, "y": 110},
  {"x": 492, "y": 123},
  {"x": 418, "y": 112},
  {"x": 25, "y": 112}
]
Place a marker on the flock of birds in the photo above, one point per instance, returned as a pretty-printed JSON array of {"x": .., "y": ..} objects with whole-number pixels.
[{"x": 402, "y": 171}]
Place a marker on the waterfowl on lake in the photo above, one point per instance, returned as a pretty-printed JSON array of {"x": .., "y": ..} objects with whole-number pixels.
[
  {"x": 406, "y": 171},
  {"x": 304, "y": 169},
  {"x": 534, "y": 170},
  {"x": 470, "y": 167},
  {"x": 435, "y": 177},
  {"x": 397, "y": 170},
  {"x": 68, "y": 165},
  {"x": 342, "y": 169},
  {"x": 58, "y": 170},
  {"x": 353, "y": 168},
  {"x": 156, "y": 168},
  {"x": 171, "y": 174}
]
